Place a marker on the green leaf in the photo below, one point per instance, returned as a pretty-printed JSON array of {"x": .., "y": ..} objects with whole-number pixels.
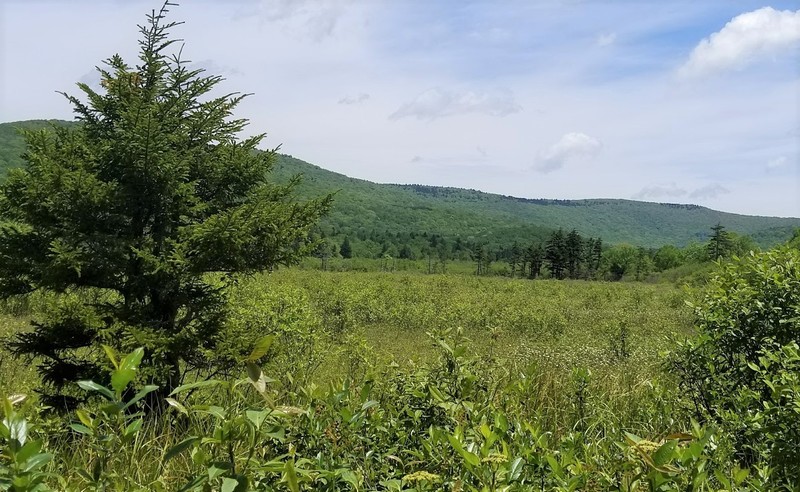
[
  {"x": 290, "y": 476},
  {"x": 84, "y": 418},
  {"x": 133, "y": 428},
  {"x": 229, "y": 484},
  {"x": 92, "y": 386},
  {"x": 664, "y": 453},
  {"x": 515, "y": 469},
  {"x": 177, "y": 405},
  {"x": 261, "y": 348},
  {"x": 180, "y": 447},
  {"x": 257, "y": 417},
  {"x": 257, "y": 378},
  {"x": 81, "y": 429},
  {"x": 37, "y": 462},
  {"x": 121, "y": 377},
  {"x": 192, "y": 386},
  {"x": 141, "y": 394},
  {"x": 112, "y": 356}
]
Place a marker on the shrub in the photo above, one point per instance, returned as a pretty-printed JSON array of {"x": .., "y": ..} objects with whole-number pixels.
[{"x": 741, "y": 370}]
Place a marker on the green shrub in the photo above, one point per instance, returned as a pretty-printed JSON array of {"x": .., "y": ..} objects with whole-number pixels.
[{"x": 741, "y": 370}]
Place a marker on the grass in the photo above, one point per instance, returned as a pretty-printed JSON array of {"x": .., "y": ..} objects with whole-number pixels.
[{"x": 576, "y": 362}]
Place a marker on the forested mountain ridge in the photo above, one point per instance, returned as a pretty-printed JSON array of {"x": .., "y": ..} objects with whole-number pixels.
[{"x": 363, "y": 209}]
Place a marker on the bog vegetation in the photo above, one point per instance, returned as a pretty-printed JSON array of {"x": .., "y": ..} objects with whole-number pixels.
[{"x": 151, "y": 343}]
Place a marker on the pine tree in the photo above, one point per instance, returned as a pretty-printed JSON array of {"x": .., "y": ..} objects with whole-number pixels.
[
  {"x": 346, "y": 249},
  {"x": 720, "y": 243},
  {"x": 556, "y": 255},
  {"x": 515, "y": 259},
  {"x": 534, "y": 255},
  {"x": 139, "y": 217},
  {"x": 573, "y": 247}
]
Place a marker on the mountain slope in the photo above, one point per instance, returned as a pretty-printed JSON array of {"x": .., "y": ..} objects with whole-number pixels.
[{"x": 362, "y": 207}]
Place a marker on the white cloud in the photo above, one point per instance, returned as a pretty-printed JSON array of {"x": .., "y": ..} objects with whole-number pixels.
[
  {"x": 758, "y": 34},
  {"x": 606, "y": 39},
  {"x": 572, "y": 146},
  {"x": 354, "y": 100},
  {"x": 438, "y": 103},
  {"x": 777, "y": 163},
  {"x": 659, "y": 191},
  {"x": 317, "y": 18},
  {"x": 709, "y": 191}
]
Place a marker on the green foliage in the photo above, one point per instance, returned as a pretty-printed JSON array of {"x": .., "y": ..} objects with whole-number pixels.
[
  {"x": 21, "y": 457},
  {"x": 741, "y": 370},
  {"x": 138, "y": 206},
  {"x": 369, "y": 213}
]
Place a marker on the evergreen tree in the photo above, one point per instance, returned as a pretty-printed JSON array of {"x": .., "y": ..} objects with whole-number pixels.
[
  {"x": 556, "y": 255},
  {"x": 346, "y": 250},
  {"x": 515, "y": 259},
  {"x": 720, "y": 244},
  {"x": 535, "y": 257},
  {"x": 150, "y": 205},
  {"x": 573, "y": 247}
]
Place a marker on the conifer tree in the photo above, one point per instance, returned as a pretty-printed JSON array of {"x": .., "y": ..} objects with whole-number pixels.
[
  {"x": 139, "y": 216},
  {"x": 346, "y": 250},
  {"x": 720, "y": 243},
  {"x": 556, "y": 255},
  {"x": 534, "y": 255},
  {"x": 573, "y": 247}
]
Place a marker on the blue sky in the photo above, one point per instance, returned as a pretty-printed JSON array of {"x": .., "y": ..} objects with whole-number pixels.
[{"x": 674, "y": 101}]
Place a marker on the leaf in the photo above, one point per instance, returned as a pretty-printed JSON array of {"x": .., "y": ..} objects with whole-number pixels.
[
  {"x": 257, "y": 417},
  {"x": 84, "y": 418},
  {"x": 18, "y": 429},
  {"x": 81, "y": 429},
  {"x": 192, "y": 386},
  {"x": 121, "y": 377},
  {"x": 471, "y": 458},
  {"x": 133, "y": 428},
  {"x": 141, "y": 394},
  {"x": 664, "y": 453},
  {"x": 257, "y": 378},
  {"x": 229, "y": 484},
  {"x": 261, "y": 348},
  {"x": 515, "y": 469},
  {"x": 179, "y": 448},
  {"x": 92, "y": 386},
  {"x": 177, "y": 405},
  {"x": 369, "y": 404},
  {"x": 112, "y": 356},
  {"x": 37, "y": 462},
  {"x": 290, "y": 476}
]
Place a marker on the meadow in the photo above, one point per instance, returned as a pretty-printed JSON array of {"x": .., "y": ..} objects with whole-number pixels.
[{"x": 401, "y": 381}]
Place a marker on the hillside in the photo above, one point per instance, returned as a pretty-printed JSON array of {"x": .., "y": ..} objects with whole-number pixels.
[
  {"x": 362, "y": 207},
  {"x": 485, "y": 216}
]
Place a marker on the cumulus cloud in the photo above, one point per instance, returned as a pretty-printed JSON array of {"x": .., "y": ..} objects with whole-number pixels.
[
  {"x": 606, "y": 39},
  {"x": 354, "y": 100},
  {"x": 777, "y": 163},
  {"x": 747, "y": 37},
  {"x": 709, "y": 191},
  {"x": 660, "y": 191},
  {"x": 570, "y": 147},
  {"x": 438, "y": 103}
]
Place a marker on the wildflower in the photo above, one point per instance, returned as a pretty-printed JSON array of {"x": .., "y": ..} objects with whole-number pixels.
[
  {"x": 495, "y": 458},
  {"x": 421, "y": 476}
]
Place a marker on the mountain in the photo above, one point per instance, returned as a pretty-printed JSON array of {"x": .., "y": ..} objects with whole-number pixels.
[{"x": 363, "y": 208}]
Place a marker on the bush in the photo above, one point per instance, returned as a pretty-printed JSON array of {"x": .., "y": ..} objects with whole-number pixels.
[{"x": 741, "y": 370}]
